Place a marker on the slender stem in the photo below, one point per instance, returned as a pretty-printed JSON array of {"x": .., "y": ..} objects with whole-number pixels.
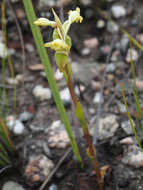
[{"x": 91, "y": 148}]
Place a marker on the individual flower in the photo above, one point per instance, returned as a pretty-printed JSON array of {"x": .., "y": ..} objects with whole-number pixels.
[
  {"x": 74, "y": 16},
  {"x": 58, "y": 45},
  {"x": 45, "y": 22}
]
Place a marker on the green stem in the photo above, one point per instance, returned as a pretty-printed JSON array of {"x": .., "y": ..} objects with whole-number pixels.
[
  {"x": 49, "y": 73},
  {"x": 80, "y": 116}
]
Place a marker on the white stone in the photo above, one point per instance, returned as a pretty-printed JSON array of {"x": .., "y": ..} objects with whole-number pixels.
[
  {"x": 97, "y": 97},
  {"x": 42, "y": 93},
  {"x": 107, "y": 127},
  {"x": 38, "y": 168},
  {"x": 58, "y": 75},
  {"x": 65, "y": 96},
  {"x": 100, "y": 24},
  {"x": 127, "y": 127},
  {"x": 132, "y": 54},
  {"x": 25, "y": 116},
  {"x": 111, "y": 67},
  {"x": 127, "y": 141},
  {"x": 57, "y": 135},
  {"x": 11, "y": 185},
  {"x": 45, "y": 3},
  {"x": 18, "y": 128},
  {"x": 85, "y": 2},
  {"x": 10, "y": 120},
  {"x": 85, "y": 51},
  {"x": 15, "y": 81},
  {"x": 3, "y": 51},
  {"x": 133, "y": 156},
  {"x": 53, "y": 187},
  {"x": 118, "y": 11},
  {"x": 112, "y": 27}
]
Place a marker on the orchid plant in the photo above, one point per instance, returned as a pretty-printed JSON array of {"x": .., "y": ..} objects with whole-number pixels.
[{"x": 61, "y": 44}]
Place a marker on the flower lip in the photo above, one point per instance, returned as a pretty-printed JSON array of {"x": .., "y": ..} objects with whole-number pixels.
[{"x": 57, "y": 45}]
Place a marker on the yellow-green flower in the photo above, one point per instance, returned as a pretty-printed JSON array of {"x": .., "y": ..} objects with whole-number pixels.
[
  {"x": 61, "y": 41},
  {"x": 58, "y": 45},
  {"x": 45, "y": 22},
  {"x": 74, "y": 16}
]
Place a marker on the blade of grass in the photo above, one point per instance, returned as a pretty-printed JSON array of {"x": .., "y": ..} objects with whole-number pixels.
[
  {"x": 129, "y": 116},
  {"x": 8, "y": 57},
  {"x": 134, "y": 41},
  {"x": 49, "y": 73}
]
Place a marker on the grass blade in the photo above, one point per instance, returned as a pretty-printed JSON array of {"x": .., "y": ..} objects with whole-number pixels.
[{"x": 49, "y": 73}]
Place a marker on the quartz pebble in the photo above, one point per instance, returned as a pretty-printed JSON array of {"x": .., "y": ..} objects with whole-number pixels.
[
  {"x": 38, "y": 168},
  {"x": 118, "y": 11},
  {"x": 85, "y": 2},
  {"x": 97, "y": 97},
  {"x": 25, "y": 116},
  {"x": 53, "y": 187},
  {"x": 11, "y": 185},
  {"x": 42, "y": 93},
  {"x": 65, "y": 96},
  {"x": 91, "y": 42},
  {"x": 3, "y": 51},
  {"x": 100, "y": 24},
  {"x": 85, "y": 51},
  {"x": 112, "y": 27},
  {"x": 58, "y": 75},
  {"x": 133, "y": 156},
  {"x": 17, "y": 80},
  {"x": 132, "y": 54},
  {"x": 57, "y": 135},
  {"x": 107, "y": 127},
  {"x": 125, "y": 125},
  {"x": 16, "y": 126},
  {"x": 127, "y": 141}
]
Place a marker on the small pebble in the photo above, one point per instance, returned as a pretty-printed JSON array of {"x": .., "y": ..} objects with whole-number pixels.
[
  {"x": 3, "y": 51},
  {"x": 100, "y": 24},
  {"x": 132, "y": 55},
  {"x": 112, "y": 27},
  {"x": 38, "y": 168},
  {"x": 25, "y": 116},
  {"x": 53, "y": 187},
  {"x": 110, "y": 67},
  {"x": 58, "y": 75},
  {"x": 85, "y": 51},
  {"x": 91, "y": 42},
  {"x": 85, "y": 2},
  {"x": 127, "y": 141},
  {"x": 97, "y": 97},
  {"x": 18, "y": 128},
  {"x": 124, "y": 43},
  {"x": 125, "y": 125},
  {"x": 11, "y": 185},
  {"x": 118, "y": 11},
  {"x": 42, "y": 93},
  {"x": 65, "y": 96}
]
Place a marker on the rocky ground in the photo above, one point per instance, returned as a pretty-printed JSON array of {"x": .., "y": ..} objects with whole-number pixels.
[{"x": 100, "y": 59}]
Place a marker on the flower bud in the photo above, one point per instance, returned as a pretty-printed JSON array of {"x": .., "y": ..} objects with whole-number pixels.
[{"x": 45, "y": 22}]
